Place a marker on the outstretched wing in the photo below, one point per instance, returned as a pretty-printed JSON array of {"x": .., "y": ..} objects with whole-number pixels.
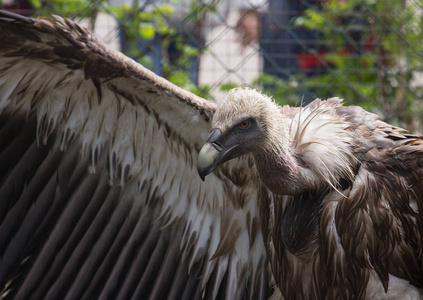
[{"x": 99, "y": 194}]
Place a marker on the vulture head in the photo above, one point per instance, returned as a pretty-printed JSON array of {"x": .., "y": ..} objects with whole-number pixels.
[
  {"x": 247, "y": 122},
  {"x": 291, "y": 156},
  {"x": 244, "y": 123}
]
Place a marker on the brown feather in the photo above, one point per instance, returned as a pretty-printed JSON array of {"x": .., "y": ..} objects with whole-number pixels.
[{"x": 352, "y": 227}]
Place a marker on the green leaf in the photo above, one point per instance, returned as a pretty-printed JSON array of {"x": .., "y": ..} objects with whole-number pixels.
[
  {"x": 165, "y": 9},
  {"x": 146, "y": 30},
  {"x": 228, "y": 86},
  {"x": 36, "y": 3},
  {"x": 145, "y": 16}
]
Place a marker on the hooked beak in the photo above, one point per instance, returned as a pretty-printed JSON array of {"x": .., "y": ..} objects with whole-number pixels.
[{"x": 213, "y": 154}]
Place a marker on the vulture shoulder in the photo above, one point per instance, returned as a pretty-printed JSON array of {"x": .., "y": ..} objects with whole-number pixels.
[{"x": 99, "y": 193}]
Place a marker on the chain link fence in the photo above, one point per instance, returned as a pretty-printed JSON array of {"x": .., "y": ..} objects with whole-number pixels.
[{"x": 368, "y": 52}]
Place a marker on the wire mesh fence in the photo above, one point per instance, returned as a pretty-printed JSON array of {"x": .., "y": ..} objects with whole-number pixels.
[{"x": 368, "y": 52}]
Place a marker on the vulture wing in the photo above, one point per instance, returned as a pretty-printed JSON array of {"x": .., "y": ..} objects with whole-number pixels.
[{"x": 99, "y": 193}]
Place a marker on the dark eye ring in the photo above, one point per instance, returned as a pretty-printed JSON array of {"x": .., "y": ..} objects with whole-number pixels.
[{"x": 245, "y": 124}]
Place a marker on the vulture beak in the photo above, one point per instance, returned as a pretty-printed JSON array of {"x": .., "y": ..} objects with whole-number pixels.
[{"x": 213, "y": 154}]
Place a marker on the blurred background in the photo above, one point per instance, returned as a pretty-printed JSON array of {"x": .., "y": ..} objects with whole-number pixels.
[{"x": 368, "y": 52}]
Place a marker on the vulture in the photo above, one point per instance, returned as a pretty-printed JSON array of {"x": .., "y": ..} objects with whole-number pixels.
[{"x": 116, "y": 184}]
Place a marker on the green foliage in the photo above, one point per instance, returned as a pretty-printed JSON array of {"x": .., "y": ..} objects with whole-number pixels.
[
  {"x": 376, "y": 69},
  {"x": 144, "y": 20},
  {"x": 150, "y": 22},
  {"x": 68, "y": 9}
]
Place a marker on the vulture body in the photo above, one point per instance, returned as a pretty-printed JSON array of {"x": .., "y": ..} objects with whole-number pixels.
[
  {"x": 352, "y": 227},
  {"x": 100, "y": 196}
]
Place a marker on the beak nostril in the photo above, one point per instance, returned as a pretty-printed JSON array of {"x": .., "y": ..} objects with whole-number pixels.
[{"x": 217, "y": 146}]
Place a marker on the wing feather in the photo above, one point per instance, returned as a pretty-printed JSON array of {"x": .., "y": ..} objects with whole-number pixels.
[{"x": 99, "y": 194}]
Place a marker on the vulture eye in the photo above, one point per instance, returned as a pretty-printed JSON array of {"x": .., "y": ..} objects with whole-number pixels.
[{"x": 245, "y": 124}]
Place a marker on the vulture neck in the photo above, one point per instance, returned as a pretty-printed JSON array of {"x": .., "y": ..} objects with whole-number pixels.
[{"x": 279, "y": 168}]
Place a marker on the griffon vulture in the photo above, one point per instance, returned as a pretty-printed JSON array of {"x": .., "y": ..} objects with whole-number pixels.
[
  {"x": 100, "y": 196},
  {"x": 352, "y": 228}
]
